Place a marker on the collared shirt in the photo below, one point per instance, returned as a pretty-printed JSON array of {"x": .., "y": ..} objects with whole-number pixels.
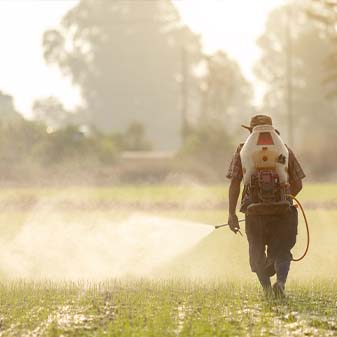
[{"x": 295, "y": 172}]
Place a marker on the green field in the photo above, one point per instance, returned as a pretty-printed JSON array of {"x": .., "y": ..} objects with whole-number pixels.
[
  {"x": 165, "y": 308},
  {"x": 313, "y": 192},
  {"x": 78, "y": 262}
]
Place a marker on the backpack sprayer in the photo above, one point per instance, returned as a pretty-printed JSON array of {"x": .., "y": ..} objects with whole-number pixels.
[{"x": 264, "y": 159}]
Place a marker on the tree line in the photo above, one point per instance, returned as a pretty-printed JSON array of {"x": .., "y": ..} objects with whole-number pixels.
[{"x": 146, "y": 84}]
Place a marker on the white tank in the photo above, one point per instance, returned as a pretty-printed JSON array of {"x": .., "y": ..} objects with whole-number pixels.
[{"x": 264, "y": 149}]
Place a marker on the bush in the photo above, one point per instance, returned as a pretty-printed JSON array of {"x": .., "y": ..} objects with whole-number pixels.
[{"x": 205, "y": 152}]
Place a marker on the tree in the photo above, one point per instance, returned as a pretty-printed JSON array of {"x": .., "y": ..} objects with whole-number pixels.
[
  {"x": 51, "y": 111},
  {"x": 135, "y": 138},
  {"x": 8, "y": 112},
  {"x": 309, "y": 50},
  {"x": 324, "y": 14},
  {"x": 315, "y": 114},
  {"x": 205, "y": 151},
  {"x": 125, "y": 56},
  {"x": 226, "y": 95}
]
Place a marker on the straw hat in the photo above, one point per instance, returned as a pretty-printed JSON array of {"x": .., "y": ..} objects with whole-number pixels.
[{"x": 258, "y": 120}]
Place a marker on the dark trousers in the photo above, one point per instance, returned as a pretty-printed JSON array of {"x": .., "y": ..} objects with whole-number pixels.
[{"x": 270, "y": 238}]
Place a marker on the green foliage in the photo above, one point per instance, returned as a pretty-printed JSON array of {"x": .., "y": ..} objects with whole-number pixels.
[
  {"x": 323, "y": 13},
  {"x": 292, "y": 38},
  {"x": 205, "y": 150},
  {"x": 27, "y": 144},
  {"x": 125, "y": 56},
  {"x": 226, "y": 95},
  {"x": 7, "y": 109},
  {"x": 30, "y": 149},
  {"x": 34, "y": 152},
  {"x": 225, "y": 103},
  {"x": 135, "y": 139},
  {"x": 67, "y": 145},
  {"x": 17, "y": 139},
  {"x": 51, "y": 112},
  {"x": 106, "y": 150}
]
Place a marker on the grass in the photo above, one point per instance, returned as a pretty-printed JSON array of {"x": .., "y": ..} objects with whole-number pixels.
[
  {"x": 165, "y": 308},
  {"x": 214, "y": 305},
  {"x": 313, "y": 192}
]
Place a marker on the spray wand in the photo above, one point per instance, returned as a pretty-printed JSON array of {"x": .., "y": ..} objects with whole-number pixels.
[
  {"x": 306, "y": 225},
  {"x": 224, "y": 225}
]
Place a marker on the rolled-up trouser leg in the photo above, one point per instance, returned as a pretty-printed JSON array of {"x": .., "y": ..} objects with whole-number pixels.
[
  {"x": 282, "y": 238},
  {"x": 257, "y": 254},
  {"x": 282, "y": 260},
  {"x": 264, "y": 279},
  {"x": 282, "y": 270}
]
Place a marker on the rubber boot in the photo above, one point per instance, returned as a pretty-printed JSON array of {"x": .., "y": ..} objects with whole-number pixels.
[
  {"x": 265, "y": 283},
  {"x": 278, "y": 290},
  {"x": 282, "y": 270}
]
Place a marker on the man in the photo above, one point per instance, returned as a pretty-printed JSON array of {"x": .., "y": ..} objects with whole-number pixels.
[{"x": 276, "y": 232}]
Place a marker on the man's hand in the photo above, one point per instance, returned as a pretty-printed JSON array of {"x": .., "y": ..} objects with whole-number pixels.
[{"x": 233, "y": 223}]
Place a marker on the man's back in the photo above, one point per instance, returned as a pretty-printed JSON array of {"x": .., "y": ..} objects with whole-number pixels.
[{"x": 276, "y": 232}]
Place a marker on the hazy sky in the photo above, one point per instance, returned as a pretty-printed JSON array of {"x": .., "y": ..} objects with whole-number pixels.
[{"x": 231, "y": 25}]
